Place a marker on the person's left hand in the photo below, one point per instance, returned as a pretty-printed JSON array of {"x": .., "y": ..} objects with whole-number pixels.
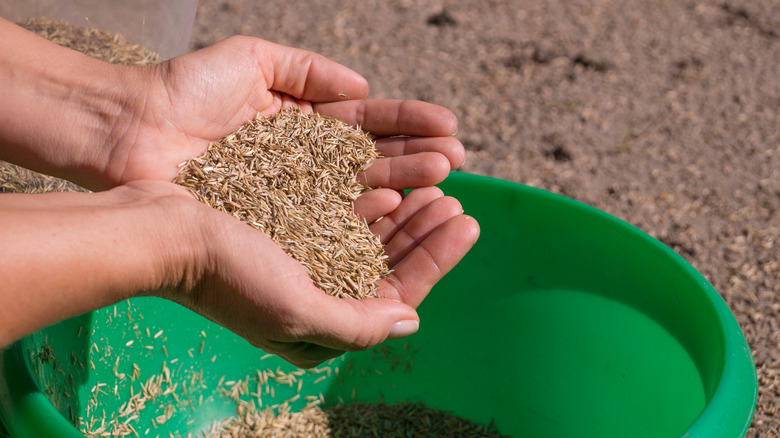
[
  {"x": 201, "y": 97},
  {"x": 246, "y": 283}
]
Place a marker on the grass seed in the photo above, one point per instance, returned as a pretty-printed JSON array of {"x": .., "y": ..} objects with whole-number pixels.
[{"x": 294, "y": 177}]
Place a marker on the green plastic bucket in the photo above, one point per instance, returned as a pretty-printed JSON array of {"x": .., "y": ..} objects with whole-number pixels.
[{"x": 562, "y": 321}]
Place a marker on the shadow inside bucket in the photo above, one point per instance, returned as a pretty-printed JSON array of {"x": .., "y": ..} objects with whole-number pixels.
[{"x": 58, "y": 360}]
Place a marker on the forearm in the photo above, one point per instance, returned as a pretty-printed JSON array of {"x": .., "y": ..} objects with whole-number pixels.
[
  {"x": 59, "y": 109},
  {"x": 68, "y": 253}
]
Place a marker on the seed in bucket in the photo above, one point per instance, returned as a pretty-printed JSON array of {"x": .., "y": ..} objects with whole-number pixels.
[
  {"x": 293, "y": 176},
  {"x": 352, "y": 420}
]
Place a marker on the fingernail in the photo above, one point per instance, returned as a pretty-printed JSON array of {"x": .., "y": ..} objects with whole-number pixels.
[{"x": 402, "y": 329}]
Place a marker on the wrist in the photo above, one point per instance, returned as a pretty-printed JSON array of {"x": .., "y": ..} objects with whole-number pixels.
[
  {"x": 69, "y": 253},
  {"x": 170, "y": 237}
]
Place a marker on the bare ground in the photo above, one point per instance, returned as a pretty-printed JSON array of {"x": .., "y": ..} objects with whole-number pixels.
[{"x": 663, "y": 113}]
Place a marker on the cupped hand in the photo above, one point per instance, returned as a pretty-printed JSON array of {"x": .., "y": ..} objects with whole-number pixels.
[
  {"x": 203, "y": 96},
  {"x": 253, "y": 288}
]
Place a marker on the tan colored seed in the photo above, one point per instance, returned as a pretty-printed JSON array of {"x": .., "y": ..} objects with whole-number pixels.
[{"x": 294, "y": 177}]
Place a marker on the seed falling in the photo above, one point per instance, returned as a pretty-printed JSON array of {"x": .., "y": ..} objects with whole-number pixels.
[{"x": 294, "y": 177}]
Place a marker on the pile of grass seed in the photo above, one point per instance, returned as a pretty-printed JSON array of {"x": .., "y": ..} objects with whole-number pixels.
[
  {"x": 96, "y": 43},
  {"x": 293, "y": 176},
  {"x": 355, "y": 420}
]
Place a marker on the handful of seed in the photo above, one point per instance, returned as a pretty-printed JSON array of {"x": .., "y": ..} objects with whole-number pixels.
[{"x": 293, "y": 176}]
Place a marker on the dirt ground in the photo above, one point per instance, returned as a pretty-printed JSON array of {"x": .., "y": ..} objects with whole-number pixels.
[{"x": 663, "y": 113}]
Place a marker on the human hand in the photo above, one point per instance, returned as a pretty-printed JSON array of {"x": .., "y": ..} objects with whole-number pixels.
[
  {"x": 201, "y": 97},
  {"x": 250, "y": 286}
]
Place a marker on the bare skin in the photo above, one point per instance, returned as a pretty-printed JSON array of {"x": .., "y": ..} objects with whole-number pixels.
[{"x": 124, "y": 130}]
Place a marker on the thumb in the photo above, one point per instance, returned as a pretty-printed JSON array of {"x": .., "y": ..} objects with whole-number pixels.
[
  {"x": 309, "y": 76},
  {"x": 354, "y": 325}
]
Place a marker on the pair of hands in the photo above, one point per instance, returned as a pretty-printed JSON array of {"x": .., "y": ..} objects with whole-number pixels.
[{"x": 233, "y": 274}]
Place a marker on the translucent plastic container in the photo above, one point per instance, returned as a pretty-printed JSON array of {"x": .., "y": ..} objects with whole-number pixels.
[{"x": 163, "y": 26}]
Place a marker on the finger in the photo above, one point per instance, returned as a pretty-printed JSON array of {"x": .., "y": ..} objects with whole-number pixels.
[
  {"x": 354, "y": 325},
  {"x": 420, "y": 226},
  {"x": 407, "y": 171},
  {"x": 384, "y": 117},
  {"x": 413, "y": 202},
  {"x": 450, "y": 147},
  {"x": 308, "y": 76},
  {"x": 414, "y": 276},
  {"x": 376, "y": 203}
]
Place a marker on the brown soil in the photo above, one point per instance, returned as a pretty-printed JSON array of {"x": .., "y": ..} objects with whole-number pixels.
[{"x": 663, "y": 113}]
